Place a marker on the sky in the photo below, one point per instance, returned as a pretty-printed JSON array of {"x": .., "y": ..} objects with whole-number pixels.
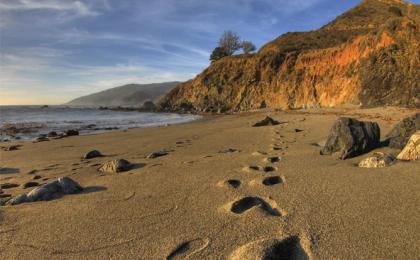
[{"x": 52, "y": 51}]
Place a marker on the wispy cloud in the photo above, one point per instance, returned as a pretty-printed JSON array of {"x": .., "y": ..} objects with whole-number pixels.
[{"x": 77, "y": 7}]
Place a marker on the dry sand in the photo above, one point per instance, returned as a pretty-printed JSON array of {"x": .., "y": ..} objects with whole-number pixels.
[{"x": 180, "y": 205}]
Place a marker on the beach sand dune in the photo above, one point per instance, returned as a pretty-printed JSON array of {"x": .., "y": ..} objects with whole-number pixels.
[{"x": 268, "y": 192}]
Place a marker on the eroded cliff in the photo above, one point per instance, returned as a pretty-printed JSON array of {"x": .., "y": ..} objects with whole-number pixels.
[{"x": 370, "y": 56}]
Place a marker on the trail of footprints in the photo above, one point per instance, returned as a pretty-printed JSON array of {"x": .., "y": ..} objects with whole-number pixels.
[{"x": 292, "y": 247}]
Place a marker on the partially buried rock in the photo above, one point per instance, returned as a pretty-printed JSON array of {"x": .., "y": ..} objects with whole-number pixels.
[
  {"x": 52, "y": 134},
  {"x": 11, "y": 148},
  {"x": 266, "y": 122},
  {"x": 48, "y": 191},
  {"x": 92, "y": 154},
  {"x": 5, "y": 186},
  {"x": 72, "y": 132},
  {"x": 115, "y": 166},
  {"x": 378, "y": 160},
  {"x": 349, "y": 138},
  {"x": 401, "y": 133},
  {"x": 30, "y": 184},
  {"x": 229, "y": 150},
  {"x": 412, "y": 151},
  {"x": 156, "y": 154}
]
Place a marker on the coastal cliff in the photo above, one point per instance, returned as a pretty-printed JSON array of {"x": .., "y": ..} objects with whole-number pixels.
[{"x": 369, "y": 56}]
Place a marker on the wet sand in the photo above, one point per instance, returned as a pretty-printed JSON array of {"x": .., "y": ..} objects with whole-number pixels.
[{"x": 202, "y": 201}]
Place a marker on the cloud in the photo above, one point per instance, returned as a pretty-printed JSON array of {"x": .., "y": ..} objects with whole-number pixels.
[{"x": 76, "y": 7}]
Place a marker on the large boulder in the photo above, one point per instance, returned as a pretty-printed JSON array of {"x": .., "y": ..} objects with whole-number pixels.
[
  {"x": 399, "y": 135},
  {"x": 412, "y": 151},
  {"x": 48, "y": 191},
  {"x": 349, "y": 138}
]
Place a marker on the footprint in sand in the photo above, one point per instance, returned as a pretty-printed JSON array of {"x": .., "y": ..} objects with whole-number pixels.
[
  {"x": 292, "y": 247},
  {"x": 260, "y": 168},
  {"x": 273, "y": 159},
  {"x": 273, "y": 180},
  {"x": 188, "y": 248},
  {"x": 230, "y": 183},
  {"x": 243, "y": 205}
]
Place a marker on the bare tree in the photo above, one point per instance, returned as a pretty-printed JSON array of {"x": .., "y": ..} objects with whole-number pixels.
[
  {"x": 230, "y": 42},
  {"x": 248, "y": 47},
  {"x": 217, "y": 54}
]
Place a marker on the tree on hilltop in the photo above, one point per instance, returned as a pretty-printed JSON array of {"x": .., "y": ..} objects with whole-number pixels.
[{"x": 248, "y": 47}]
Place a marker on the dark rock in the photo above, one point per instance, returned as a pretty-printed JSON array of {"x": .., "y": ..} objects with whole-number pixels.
[
  {"x": 298, "y": 130},
  {"x": 8, "y": 185},
  {"x": 92, "y": 154},
  {"x": 266, "y": 122},
  {"x": 401, "y": 133},
  {"x": 36, "y": 177},
  {"x": 229, "y": 150},
  {"x": 115, "y": 166},
  {"x": 156, "y": 154},
  {"x": 5, "y": 195},
  {"x": 30, "y": 184},
  {"x": 48, "y": 191},
  {"x": 52, "y": 134},
  {"x": 349, "y": 138},
  {"x": 72, "y": 132}
]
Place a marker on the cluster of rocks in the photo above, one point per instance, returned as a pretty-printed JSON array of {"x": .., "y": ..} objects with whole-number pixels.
[
  {"x": 349, "y": 138},
  {"x": 55, "y": 135},
  {"x": 116, "y": 166}
]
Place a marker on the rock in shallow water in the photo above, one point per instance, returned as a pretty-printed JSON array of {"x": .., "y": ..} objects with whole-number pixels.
[
  {"x": 115, "y": 166},
  {"x": 349, "y": 138},
  {"x": 48, "y": 191},
  {"x": 378, "y": 160},
  {"x": 401, "y": 133},
  {"x": 92, "y": 154},
  {"x": 412, "y": 150}
]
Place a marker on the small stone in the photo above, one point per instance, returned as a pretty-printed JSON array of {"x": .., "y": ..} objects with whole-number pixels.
[
  {"x": 266, "y": 122},
  {"x": 378, "y": 160},
  {"x": 36, "y": 177},
  {"x": 229, "y": 150},
  {"x": 11, "y": 148},
  {"x": 156, "y": 154},
  {"x": 116, "y": 166},
  {"x": 5, "y": 195},
  {"x": 30, "y": 184},
  {"x": 32, "y": 172},
  {"x": 92, "y": 154}
]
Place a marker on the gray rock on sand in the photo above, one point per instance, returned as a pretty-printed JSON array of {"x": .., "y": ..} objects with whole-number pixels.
[
  {"x": 349, "y": 138},
  {"x": 378, "y": 160},
  {"x": 5, "y": 186},
  {"x": 11, "y": 148},
  {"x": 229, "y": 150},
  {"x": 156, "y": 154},
  {"x": 92, "y": 154},
  {"x": 48, "y": 191},
  {"x": 41, "y": 139},
  {"x": 116, "y": 166},
  {"x": 401, "y": 133},
  {"x": 411, "y": 152},
  {"x": 266, "y": 122}
]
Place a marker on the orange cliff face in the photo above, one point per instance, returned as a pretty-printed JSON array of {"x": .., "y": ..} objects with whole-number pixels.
[{"x": 341, "y": 63}]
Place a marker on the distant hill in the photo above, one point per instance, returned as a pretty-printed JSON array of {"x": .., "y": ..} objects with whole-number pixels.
[
  {"x": 368, "y": 56},
  {"x": 132, "y": 95}
]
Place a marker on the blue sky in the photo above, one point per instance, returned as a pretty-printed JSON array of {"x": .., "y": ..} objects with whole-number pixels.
[{"x": 54, "y": 50}]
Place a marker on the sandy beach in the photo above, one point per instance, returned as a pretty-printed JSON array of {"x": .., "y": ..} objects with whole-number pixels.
[{"x": 206, "y": 201}]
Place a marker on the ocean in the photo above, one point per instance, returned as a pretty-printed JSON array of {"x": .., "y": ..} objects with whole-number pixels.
[{"x": 29, "y": 122}]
